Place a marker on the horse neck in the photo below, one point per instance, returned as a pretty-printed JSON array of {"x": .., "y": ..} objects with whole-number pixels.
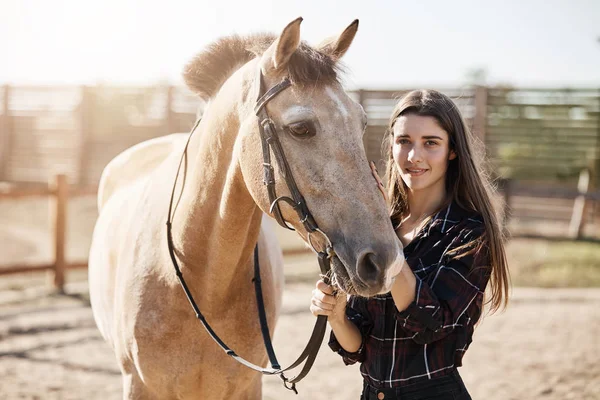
[{"x": 217, "y": 222}]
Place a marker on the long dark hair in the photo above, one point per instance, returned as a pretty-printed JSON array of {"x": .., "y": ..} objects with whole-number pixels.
[{"x": 466, "y": 182}]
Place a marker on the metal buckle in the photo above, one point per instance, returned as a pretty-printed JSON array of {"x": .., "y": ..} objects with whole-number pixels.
[
  {"x": 291, "y": 386},
  {"x": 328, "y": 248}
]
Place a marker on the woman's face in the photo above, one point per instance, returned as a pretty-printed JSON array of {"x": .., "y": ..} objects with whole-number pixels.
[{"x": 421, "y": 152}]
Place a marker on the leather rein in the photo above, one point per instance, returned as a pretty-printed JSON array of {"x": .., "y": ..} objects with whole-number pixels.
[{"x": 270, "y": 143}]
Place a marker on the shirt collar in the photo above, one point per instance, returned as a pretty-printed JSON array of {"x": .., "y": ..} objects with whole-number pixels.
[{"x": 449, "y": 216}]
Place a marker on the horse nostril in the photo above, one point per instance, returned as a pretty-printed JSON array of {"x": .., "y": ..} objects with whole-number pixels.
[{"x": 367, "y": 269}]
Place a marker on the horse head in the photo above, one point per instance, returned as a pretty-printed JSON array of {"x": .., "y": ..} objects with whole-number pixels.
[{"x": 320, "y": 130}]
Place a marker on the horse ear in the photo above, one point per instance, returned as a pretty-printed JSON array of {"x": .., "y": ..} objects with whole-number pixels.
[
  {"x": 278, "y": 54},
  {"x": 336, "y": 47}
]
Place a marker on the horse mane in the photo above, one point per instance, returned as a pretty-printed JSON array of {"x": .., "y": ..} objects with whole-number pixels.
[{"x": 209, "y": 69}]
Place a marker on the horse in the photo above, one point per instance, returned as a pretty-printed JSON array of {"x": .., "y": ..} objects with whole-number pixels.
[{"x": 223, "y": 211}]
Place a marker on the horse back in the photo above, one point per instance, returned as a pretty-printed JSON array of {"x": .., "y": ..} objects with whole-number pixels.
[{"x": 135, "y": 163}]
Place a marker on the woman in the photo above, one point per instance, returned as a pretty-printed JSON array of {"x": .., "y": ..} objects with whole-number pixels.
[{"x": 411, "y": 341}]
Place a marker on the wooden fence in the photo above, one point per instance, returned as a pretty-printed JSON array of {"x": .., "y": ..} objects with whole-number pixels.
[
  {"x": 538, "y": 139},
  {"x": 77, "y": 130},
  {"x": 61, "y": 192},
  {"x": 581, "y": 203},
  {"x": 529, "y": 134},
  {"x": 59, "y": 189}
]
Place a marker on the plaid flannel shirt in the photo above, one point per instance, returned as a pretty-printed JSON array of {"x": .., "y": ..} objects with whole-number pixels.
[{"x": 429, "y": 338}]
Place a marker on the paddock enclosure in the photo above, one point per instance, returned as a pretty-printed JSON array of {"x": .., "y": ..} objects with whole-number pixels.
[{"x": 544, "y": 151}]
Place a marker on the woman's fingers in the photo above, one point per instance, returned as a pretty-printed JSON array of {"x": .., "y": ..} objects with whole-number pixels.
[
  {"x": 325, "y": 288},
  {"x": 322, "y": 305},
  {"x": 373, "y": 166},
  {"x": 376, "y": 174},
  {"x": 323, "y": 297},
  {"x": 380, "y": 185},
  {"x": 318, "y": 307},
  {"x": 316, "y": 311},
  {"x": 323, "y": 302}
]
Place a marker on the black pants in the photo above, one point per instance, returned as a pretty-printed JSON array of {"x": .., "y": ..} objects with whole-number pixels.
[{"x": 449, "y": 387}]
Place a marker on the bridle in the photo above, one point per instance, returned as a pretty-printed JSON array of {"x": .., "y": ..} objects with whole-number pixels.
[{"x": 270, "y": 142}]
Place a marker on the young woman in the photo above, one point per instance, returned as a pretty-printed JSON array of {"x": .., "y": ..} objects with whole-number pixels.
[{"x": 411, "y": 341}]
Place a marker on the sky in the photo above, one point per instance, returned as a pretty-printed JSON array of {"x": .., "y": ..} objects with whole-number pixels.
[{"x": 399, "y": 44}]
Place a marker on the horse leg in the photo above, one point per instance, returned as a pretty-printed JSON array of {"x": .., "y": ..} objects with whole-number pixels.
[{"x": 134, "y": 388}]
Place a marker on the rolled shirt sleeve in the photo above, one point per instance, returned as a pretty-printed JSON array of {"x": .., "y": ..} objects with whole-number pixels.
[
  {"x": 453, "y": 296},
  {"x": 355, "y": 313}
]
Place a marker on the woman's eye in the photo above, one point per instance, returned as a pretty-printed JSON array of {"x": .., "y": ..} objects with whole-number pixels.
[
  {"x": 301, "y": 129},
  {"x": 402, "y": 141},
  {"x": 430, "y": 143}
]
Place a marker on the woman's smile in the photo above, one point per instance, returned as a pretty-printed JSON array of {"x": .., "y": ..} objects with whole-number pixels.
[{"x": 414, "y": 172}]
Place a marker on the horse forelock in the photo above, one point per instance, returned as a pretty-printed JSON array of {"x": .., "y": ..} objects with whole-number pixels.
[{"x": 209, "y": 69}]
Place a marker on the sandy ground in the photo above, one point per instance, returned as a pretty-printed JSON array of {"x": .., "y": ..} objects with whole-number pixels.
[{"x": 545, "y": 346}]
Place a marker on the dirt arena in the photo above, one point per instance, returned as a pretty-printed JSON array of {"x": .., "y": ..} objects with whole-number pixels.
[{"x": 545, "y": 346}]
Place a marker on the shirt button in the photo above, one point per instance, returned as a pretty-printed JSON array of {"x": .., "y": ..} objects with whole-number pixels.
[{"x": 380, "y": 395}]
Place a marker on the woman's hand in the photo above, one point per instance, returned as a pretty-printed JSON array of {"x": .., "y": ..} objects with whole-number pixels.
[
  {"x": 378, "y": 180},
  {"x": 325, "y": 301}
]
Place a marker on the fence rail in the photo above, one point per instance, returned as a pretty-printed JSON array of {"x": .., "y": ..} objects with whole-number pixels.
[
  {"x": 582, "y": 212},
  {"x": 529, "y": 133},
  {"x": 58, "y": 188},
  {"x": 545, "y": 135},
  {"x": 61, "y": 191}
]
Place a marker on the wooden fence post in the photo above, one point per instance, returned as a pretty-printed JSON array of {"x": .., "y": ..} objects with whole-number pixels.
[
  {"x": 5, "y": 133},
  {"x": 506, "y": 187},
  {"x": 580, "y": 205},
  {"x": 58, "y": 219},
  {"x": 85, "y": 129},
  {"x": 596, "y": 169},
  {"x": 480, "y": 118}
]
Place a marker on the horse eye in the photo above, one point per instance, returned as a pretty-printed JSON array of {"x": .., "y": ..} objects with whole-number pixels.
[{"x": 301, "y": 129}]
